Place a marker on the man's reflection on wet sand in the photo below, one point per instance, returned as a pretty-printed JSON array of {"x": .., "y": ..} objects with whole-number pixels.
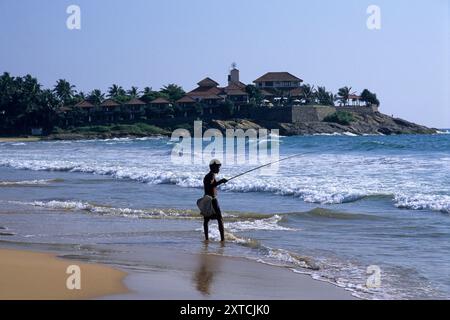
[{"x": 208, "y": 267}]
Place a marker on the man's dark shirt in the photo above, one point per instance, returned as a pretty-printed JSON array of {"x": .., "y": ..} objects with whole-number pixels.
[{"x": 210, "y": 184}]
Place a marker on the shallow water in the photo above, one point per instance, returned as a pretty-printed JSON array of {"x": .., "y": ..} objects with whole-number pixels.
[{"x": 350, "y": 203}]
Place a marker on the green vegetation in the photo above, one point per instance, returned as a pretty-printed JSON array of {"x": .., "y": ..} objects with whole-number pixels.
[
  {"x": 228, "y": 108},
  {"x": 341, "y": 117},
  {"x": 343, "y": 95},
  {"x": 172, "y": 92},
  {"x": 369, "y": 97},
  {"x": 324, "y": 97},
  {"x": 25, "y": 105},
  {"x": 116, "y": 130},
  {"x": 254, "y": 94},
  {"x": 308, "y": 94}
]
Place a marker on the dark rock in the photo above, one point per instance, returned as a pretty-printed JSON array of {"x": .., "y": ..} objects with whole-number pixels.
[{"x": 375, "y": 123}]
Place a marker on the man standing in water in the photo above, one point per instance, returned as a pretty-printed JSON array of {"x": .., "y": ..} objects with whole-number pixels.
[{"x": 210, "y": 185}]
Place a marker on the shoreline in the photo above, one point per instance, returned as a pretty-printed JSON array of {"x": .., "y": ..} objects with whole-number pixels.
[
  {"x": 31, "y": 275},
  {"x": 363, "y": 124},
  {"x": 20, "y": 139},
  {"x": 77, "y": 137},
  {"x": 171, "y": 275}
]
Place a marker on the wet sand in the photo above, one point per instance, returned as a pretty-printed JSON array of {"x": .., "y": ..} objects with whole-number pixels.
[
  {"x": 178, "y": 275},
  {"x": 171, "y": 275}
]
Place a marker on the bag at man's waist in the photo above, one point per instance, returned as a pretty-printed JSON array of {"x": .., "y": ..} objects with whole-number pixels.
[{"x": 206, "y": 207}]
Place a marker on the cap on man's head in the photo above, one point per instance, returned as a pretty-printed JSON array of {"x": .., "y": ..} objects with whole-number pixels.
[{"x": 215, "y": 162}]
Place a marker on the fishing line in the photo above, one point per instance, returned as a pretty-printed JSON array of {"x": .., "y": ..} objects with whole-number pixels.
[{"x": 268, "y": 164}]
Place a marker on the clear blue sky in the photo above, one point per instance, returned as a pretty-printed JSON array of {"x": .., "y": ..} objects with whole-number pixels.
[{"x": 325, "y": 42}]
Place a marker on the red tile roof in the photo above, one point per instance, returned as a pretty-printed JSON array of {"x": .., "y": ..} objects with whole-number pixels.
[
  {"x": 109, "y": 103},
  {"x": 208, "y": 82},
  {"x": 160, "y": 101},
  {"x": 278, "y": 76},
  {"x": 202, "y": 92},
  {"x": 235, "y": 89},
  {"x": 135, "y": 101},
  {"x": 354, "y": 97},
  {"x": 186, "y": 99},
  {"x": 84, "y": 104},
  {"x": 239, "y": 84}
]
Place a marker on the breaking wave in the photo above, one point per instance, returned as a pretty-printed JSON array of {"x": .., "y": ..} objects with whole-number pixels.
[
  {"x": 29, "y": 182},
  {"x": 111, "y": 211},
  {"x": 423, "y": 202},
  {"x": 235, "y": 221},
  {"x": 330, "y": 193}
]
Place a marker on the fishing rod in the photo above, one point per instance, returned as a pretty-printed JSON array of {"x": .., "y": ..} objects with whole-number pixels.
[{"x": 268, "y": 164}]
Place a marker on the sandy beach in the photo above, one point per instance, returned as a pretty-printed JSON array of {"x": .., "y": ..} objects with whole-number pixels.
[
  {"x": 26, "y": 275},
  {"x": 172, "y": 275},
  {"x": 19, "y": 139}
]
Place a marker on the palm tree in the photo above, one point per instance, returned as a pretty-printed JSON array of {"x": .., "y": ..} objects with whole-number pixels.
[
  {"x": 173, "y": 92},
  {"x": 80, "y": 96},
  {"x": 116, "y": 91},
  {"x": 45, "y": 115},
  {"x": 343, "y": 95},
  {"x": 64, "y": 91},
  {"x": 6, "y": 83},
  {"x": 7, "y": 86},
  {"x": 325, "y": 98},
  {"x": 96, "y": 97},
  {"x": 15, "y": 97},
  {"x": 29, "y": 91},
  {"x": 307, "y": 95},
  {"x": 369, "y": 97},
  {"x": 30, "y": 85},
  {"x": 148, "y": 95},
  {"x": 133, "y": 92},
  {"x": 147, "y": 90}
]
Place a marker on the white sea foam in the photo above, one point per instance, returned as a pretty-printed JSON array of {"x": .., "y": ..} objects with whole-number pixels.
[
  {"x": 423, "y": 202},
  {"x": 317, "y": 178},
  {"x": 271, "y": 223},
  {"x": 239, "y": 223},
  {"x": 346, "y": 133},
  {"x": 284, "y": 256},
  {"x": 325, "y": 189},
  {"x": 230, "y": 237},
  {"x": 328, "y": 134},
  {"x": 111, "y": 211},
  {"x": 27, "y": 182}
]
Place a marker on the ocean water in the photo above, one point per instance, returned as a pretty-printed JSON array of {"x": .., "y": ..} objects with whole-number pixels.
[{"x": 346, "y": 204}]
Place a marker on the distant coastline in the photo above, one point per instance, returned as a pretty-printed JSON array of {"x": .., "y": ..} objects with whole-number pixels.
[
  {"x": 285, "y": 129},
  {"x": 276, "y": 100}
]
